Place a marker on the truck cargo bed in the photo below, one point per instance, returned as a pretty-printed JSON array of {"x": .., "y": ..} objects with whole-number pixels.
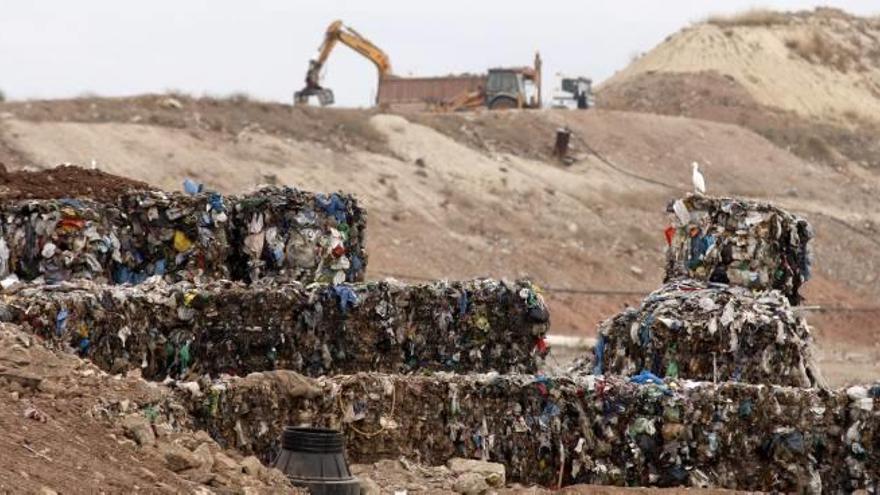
[{"x": 420, "y": 92}]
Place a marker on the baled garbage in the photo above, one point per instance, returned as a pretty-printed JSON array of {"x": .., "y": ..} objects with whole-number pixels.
[
  {"x": 283, "y": 233},
  {"x": 569, "y": 429},
  {"x": 711, "y": 332},
  {"x": 182, "y": 330},
  {"x": 738, "y": 242}
]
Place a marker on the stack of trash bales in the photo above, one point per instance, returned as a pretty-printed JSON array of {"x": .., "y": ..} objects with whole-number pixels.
[
  {"x": 738, "y": 242},
  {"x": 196, "y": 289},
  {"x": 734, "y": 268},
  {"x": 283, "y": 233},
  {"x": 182, "y": 330},
  {"x": 559, "y": 430},
  {"x": 712, "y": 332}
]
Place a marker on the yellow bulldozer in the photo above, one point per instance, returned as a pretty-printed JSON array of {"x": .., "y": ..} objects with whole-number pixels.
[{"x": 499, "y": 88}]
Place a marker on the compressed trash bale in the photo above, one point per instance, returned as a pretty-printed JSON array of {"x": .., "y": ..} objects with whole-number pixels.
[
  {"x": 183, "y": 329},
  {"x": 280, "y": 233},
  {"x": 862, "y": 436},
  {"x": 56, "y": 240},
  {"x": 568, "y": 429},
  {"x": 288, "y": 233},
  {"x": 738, "y": 242},
  {"x": 174, "y": 235},
  {"x": 713, "y": 332}
]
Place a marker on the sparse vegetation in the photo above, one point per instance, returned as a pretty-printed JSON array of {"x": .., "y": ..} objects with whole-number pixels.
[
  {"x": 751, "y": 17},
  {"x": 818, "y": 48},
  {"x": 177, "y": 93},
  {"x": 2, "y": 96},
  {"x": 239, "y": 97},
  {"x": 816, "y": 148}
]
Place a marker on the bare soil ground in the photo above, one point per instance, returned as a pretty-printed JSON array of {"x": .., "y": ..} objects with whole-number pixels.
[
  {"x": 62, "y": 434},
  {"x": 713, "y": 96},
  {"x": 64, "y": 182}
]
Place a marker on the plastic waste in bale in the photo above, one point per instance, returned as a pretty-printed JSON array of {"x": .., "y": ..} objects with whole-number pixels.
[
  {"x": 230, "y": 327},
  {"x": 694, "y": 330},
  {"x": 614, "y": 430},
  {"x": 738, "y": 242},
  {"x": 279, "y": 233},
  {"x": 314, "y": 458}
]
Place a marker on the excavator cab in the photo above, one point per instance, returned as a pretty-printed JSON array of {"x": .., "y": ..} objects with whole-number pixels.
[
  {"x": 507, "y": 88},
  {"x": 516, "y": 87}
]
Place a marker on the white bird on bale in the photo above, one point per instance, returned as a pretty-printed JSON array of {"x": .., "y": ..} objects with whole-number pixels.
[{"x": 699, "y": 181}]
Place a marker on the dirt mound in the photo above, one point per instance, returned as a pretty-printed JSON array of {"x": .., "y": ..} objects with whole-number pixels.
[
  {"x": 71, "y": 428},
  {"x": 823, "y": 63},
  {"x": 65, "y": 181},
  {"x": 808, "y": 81},
  {"x": 705, "y": 94},
  {"x": 337, "y": 128},
  {"x": 714, "y": 96}
]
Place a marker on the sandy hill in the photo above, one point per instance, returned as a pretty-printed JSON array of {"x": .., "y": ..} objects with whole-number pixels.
[
  {"x": 464, "y": 195},
  {"x": 809, "y": 81}
]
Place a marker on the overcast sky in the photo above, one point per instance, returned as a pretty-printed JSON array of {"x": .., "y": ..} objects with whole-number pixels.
[{"x": 64, "y": 48}]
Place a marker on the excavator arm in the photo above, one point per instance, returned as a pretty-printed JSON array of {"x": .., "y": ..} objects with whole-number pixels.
[{"x": 339, "y": 33}]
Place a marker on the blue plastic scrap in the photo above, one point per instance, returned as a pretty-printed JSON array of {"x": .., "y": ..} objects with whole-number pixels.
[
  {"x": 123, "y": 275},
  {"x": 462, "y": 303},
  {"x": 216, "y": 202},
  {"x": 332, "y": 205},
  {"x": 347, "y": 297},
  {"x": 646, "y": 377},
  {"x": 550, "y": 411},
  {"x": 599, "y": 352},
  {"x": 73, "y": 203},
  {"x": 355, "y": 266},
  {"x": 191, "y": 186},
  {"x": 61, "y": 321}
]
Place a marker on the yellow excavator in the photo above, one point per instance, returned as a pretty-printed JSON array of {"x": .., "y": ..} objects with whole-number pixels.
[
  {"x": 500, "y": 88},
  {"x": 339, "y": 33}
]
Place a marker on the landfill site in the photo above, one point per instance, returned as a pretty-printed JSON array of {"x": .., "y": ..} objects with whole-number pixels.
[{"x": 665, "y": 281}]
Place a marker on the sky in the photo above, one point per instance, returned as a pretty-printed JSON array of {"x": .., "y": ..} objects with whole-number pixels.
[{"x": 63, "y": 48}]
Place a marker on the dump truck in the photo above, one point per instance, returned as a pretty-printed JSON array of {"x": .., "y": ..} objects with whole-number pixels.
[{"x": 499, "y": 88}]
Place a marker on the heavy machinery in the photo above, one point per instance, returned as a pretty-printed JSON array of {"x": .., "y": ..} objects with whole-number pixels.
[
  {"x": 514, "y": 87},
  {"x": 339, "y": 33},
  {"x": 500, "y": 88},
  {"x": 573, "y": 92}
]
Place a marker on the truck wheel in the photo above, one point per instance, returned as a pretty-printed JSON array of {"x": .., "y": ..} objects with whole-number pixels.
[{"x": 502, "y": 103}]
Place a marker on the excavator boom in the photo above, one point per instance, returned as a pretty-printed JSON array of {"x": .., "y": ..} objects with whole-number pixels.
[{"x": 339, "y": 33}]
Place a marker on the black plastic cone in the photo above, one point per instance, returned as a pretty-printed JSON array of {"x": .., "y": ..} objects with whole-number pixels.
[{"x": 314, "y": 458}]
